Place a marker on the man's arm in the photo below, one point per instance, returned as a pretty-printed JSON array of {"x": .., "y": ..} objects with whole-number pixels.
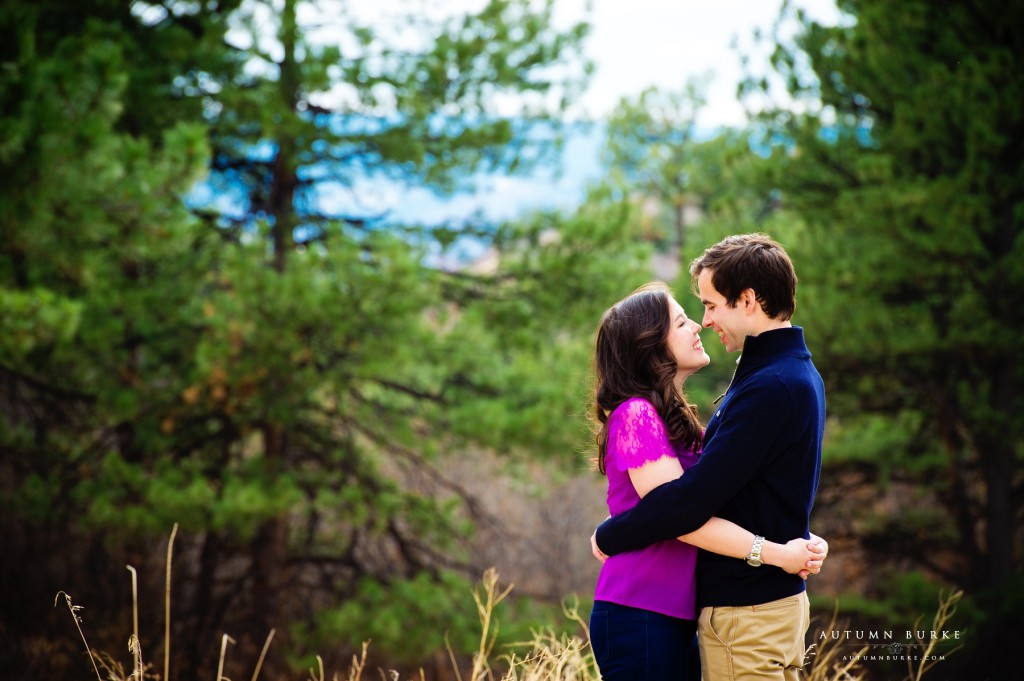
[
  {"x": 755, "y": 418},
  {"x": 657, "y": 517}
]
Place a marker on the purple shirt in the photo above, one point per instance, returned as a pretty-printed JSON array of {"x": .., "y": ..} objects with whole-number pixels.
[{"x": 660, "y": 577}]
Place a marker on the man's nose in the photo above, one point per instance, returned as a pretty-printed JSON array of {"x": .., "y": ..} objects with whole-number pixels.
[{"x": 706, "y": 321}]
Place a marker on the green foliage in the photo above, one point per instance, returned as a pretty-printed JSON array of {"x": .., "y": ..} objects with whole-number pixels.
[
  {"x": 281, "y": 382},
  {"x": 885, "y": 442},
  {"x": 383, "y": 612},
  {"x": 36, "y": 321},
  {"x": 566, "y": 271},
  {"x": 651, "y": 151},
  {"x": 902, "y": 600},
  {"x": 438, "y": 606}
]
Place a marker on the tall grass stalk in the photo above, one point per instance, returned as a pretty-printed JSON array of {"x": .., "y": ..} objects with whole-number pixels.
[
  {"x": 134, "y": 646},
  {"x": 487, "y": 598},
  {"x": 263, "y": 654},
  {"x": 355, "y": 670},
  {"x": 313, "y": 675},
  {"x": 945, "y": 612},
  {"x": 167, "y": 606},
  {"x": 73, "y": 609},
  {"x": 223, "y": 651},
  {"x": 826, "y": 664}
]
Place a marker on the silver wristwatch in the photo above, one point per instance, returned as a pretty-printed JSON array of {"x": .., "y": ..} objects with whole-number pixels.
[{"x": 754, "y": 557}]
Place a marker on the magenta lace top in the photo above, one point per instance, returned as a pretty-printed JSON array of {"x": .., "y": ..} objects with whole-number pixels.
[{"x": 659, "y": 577}]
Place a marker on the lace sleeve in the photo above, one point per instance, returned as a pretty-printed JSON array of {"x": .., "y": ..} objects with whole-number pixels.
[{"x": 636, "y": 435}]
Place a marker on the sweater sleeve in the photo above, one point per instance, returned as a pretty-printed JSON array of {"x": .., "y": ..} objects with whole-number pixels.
[{"x": 747, "y": 433}]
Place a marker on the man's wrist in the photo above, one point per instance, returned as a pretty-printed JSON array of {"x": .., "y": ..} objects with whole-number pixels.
[{"x": 754, "y": 557}]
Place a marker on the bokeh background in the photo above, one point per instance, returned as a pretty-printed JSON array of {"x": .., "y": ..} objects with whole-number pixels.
[{"x": 316, "y": 284}]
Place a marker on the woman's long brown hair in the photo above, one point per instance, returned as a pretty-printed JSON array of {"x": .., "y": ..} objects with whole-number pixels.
[{"x": 632, "y": 359}]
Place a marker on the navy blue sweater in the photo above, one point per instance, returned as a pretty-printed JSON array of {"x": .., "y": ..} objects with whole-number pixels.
[{"x": 759, "y": 469}]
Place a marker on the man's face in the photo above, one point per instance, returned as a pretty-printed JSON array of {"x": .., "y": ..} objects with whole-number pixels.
[{"x": 732, "y": 324}]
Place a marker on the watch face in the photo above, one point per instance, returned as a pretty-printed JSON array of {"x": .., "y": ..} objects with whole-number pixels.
[{"x": 754, "y": 562}]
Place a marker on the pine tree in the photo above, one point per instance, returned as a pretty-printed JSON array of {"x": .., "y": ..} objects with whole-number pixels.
[{"x": 282, "y": 381}]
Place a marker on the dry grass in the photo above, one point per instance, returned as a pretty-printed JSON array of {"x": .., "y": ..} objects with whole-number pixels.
[
  {"x": 829, "y": 663},
  {"x": 546, "y": 657},
  {"x": 944, "y": 613},
  {"x": 825, "y": 662},
  {"x": 551, "y": 656},
  {"x": 74, "y": 610}
]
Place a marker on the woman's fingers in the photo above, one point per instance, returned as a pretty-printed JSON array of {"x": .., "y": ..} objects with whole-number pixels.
[{"x": 596, "y": 551}]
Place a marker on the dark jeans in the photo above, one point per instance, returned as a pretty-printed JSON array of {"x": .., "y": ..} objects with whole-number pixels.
[{"x": 639, "y": 645}]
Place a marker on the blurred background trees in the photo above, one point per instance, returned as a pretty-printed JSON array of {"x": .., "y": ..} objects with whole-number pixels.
[
  {"x": 281, "y": 379},
  {"x": 206, "y": 319}
]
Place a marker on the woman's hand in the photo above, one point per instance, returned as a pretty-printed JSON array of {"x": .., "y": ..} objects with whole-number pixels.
[
  {"x": 820, "y": 548},
  {"x": 799, "y": 556},
  {"x": 601, "y": 557}
]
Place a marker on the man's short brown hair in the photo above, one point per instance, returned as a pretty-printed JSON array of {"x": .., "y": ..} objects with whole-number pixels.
[{"x": 754, "y": 261}]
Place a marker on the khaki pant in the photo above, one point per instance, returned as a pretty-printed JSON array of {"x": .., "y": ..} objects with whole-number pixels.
[{"x": 755, "y": 641}]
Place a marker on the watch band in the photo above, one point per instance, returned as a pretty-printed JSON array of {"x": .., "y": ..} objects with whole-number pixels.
[{"x": 754, "y": 557}]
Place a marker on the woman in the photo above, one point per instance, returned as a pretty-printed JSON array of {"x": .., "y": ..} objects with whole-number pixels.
[{"x": 644, "y": 618}]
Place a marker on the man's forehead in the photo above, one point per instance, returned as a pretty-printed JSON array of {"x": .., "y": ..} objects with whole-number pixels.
[{"x": 705, "y": 287}]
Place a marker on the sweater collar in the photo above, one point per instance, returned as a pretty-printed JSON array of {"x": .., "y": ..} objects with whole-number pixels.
[{"x": 771, "y": 344}]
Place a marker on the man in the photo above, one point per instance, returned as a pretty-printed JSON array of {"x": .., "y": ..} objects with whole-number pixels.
[{"x": 759, "y": 467}]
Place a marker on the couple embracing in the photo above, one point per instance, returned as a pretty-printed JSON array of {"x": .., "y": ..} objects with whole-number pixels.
[{"x": 710, "y": 528}]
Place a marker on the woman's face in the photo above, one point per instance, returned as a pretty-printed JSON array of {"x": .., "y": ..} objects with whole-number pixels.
[{"x": 684, "y": 341}]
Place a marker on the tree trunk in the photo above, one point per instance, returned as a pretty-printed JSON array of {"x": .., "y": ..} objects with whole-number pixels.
[
  {"x": 285, "y": 181},
  {"x": 999, "y": 452},
  {"x": 269, "y": 545},
  {"x": 680, "y": 220}
]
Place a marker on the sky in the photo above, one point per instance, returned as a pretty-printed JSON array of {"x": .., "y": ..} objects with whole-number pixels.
[{"x": 638, "y": 43}]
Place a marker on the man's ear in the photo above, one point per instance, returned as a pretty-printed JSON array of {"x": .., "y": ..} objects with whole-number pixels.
[{"x": 748, "y": 298}]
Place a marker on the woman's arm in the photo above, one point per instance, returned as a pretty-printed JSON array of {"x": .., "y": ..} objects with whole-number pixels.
[{"x": 798, "y": 556}]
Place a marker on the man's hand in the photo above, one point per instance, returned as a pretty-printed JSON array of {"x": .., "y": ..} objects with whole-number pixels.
[{"x": 601, "y": 557}]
